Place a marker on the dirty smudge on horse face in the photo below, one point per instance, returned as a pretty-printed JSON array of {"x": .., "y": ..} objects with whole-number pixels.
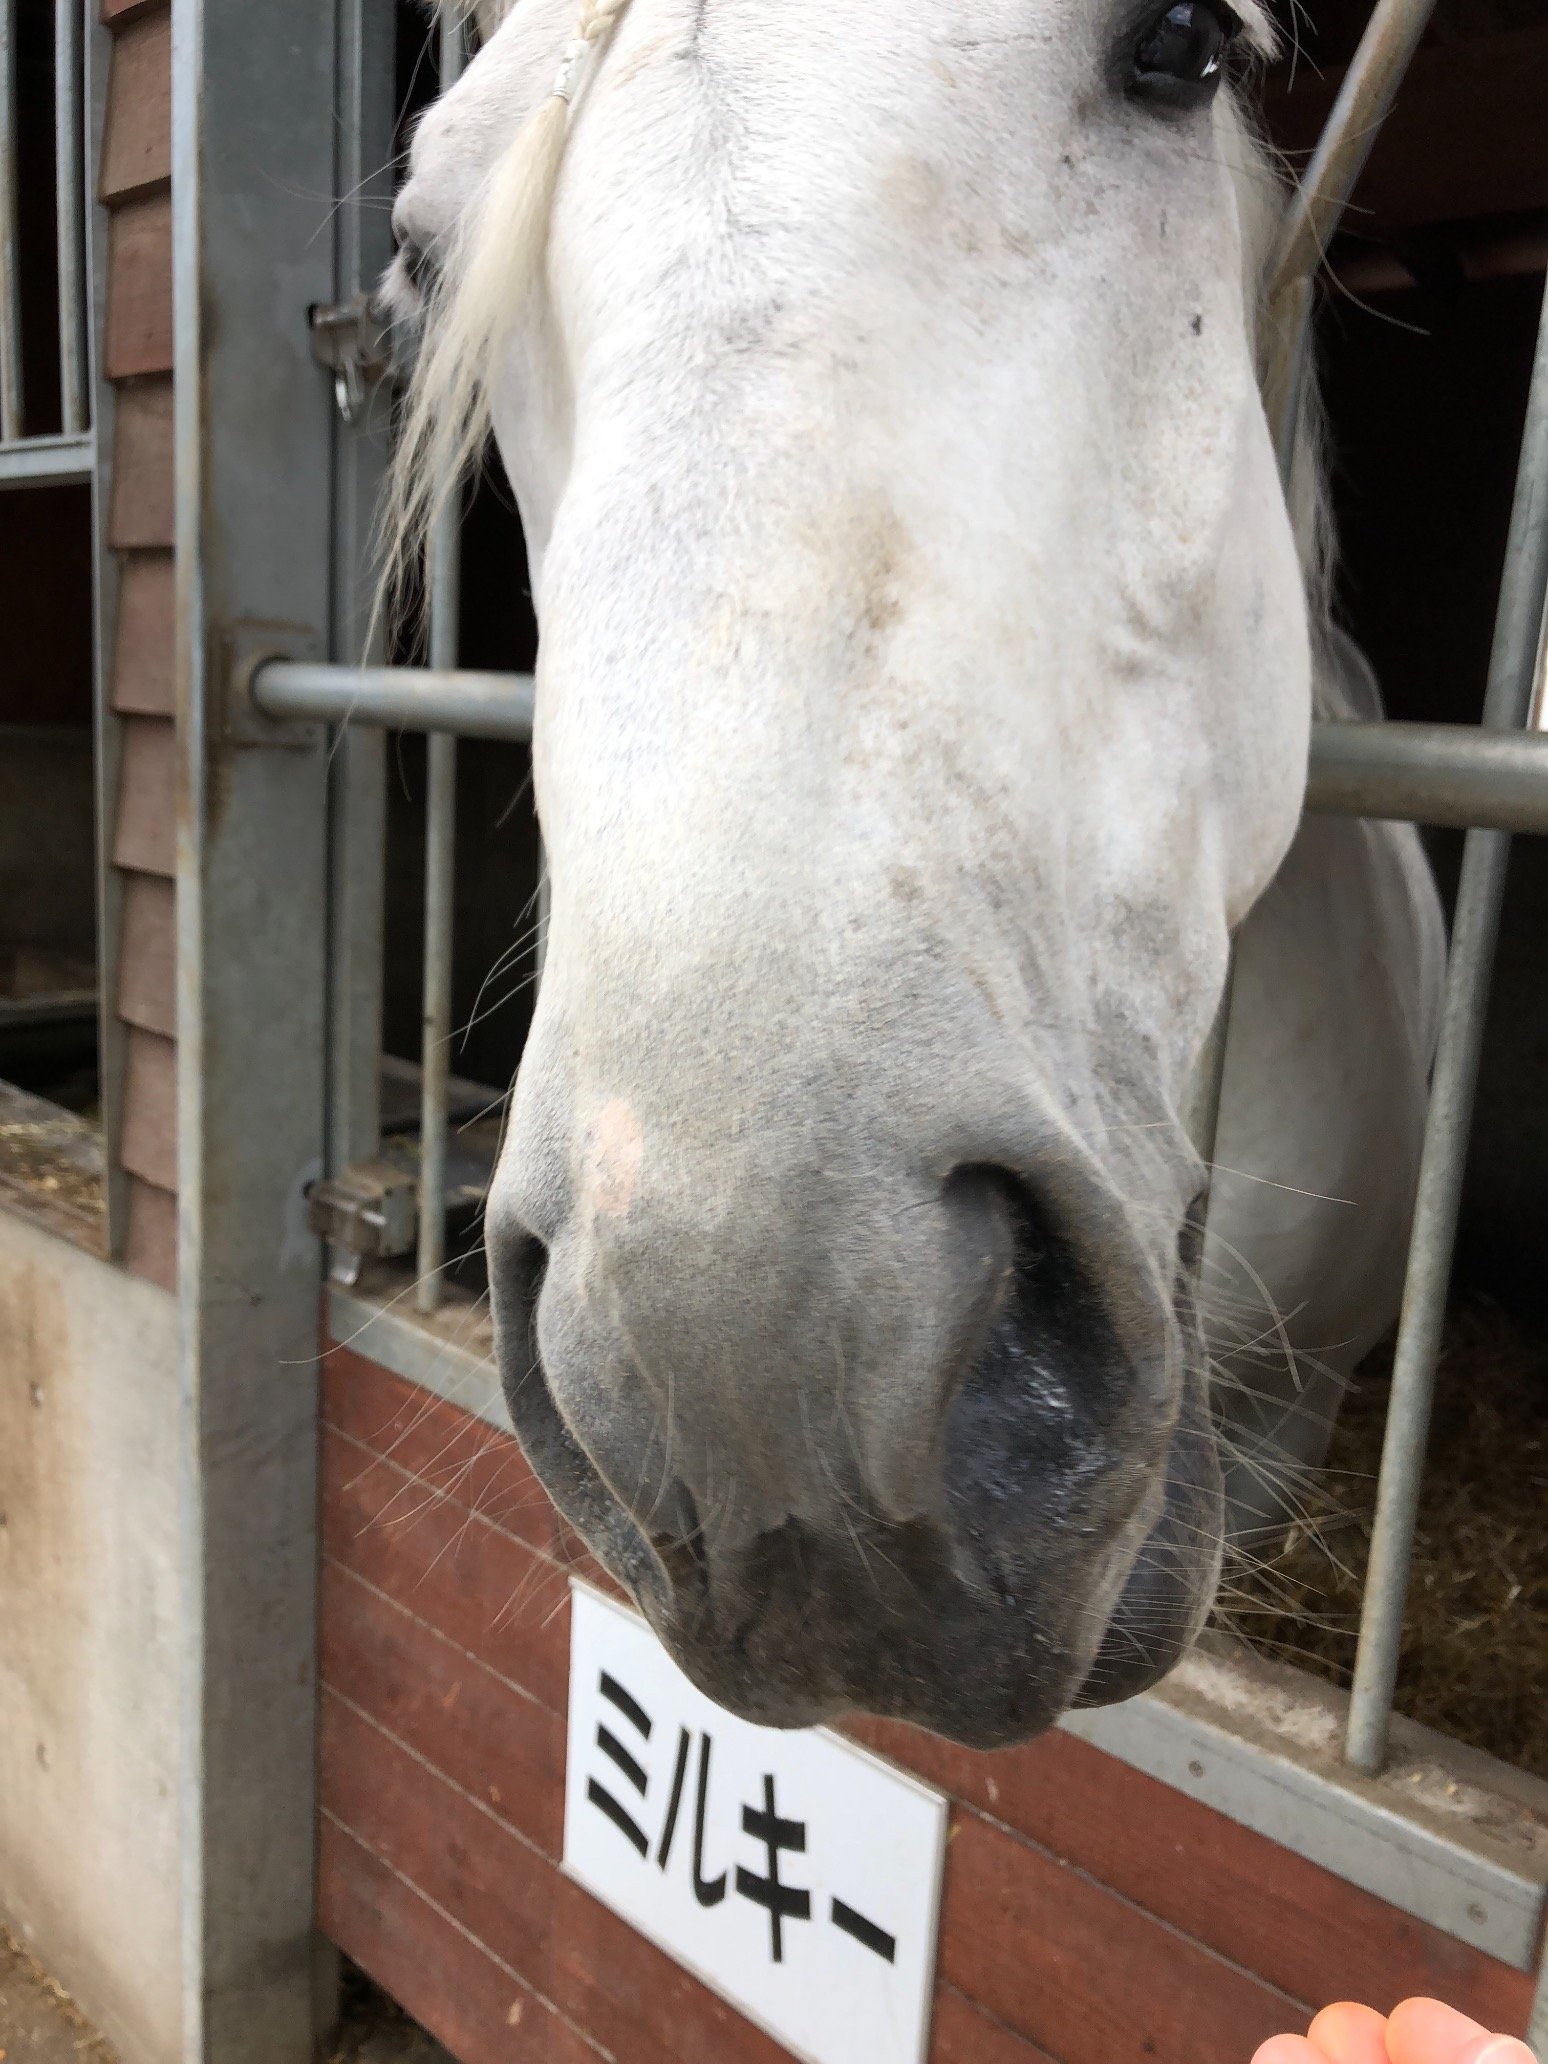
[{"x": 923, "y": 695}]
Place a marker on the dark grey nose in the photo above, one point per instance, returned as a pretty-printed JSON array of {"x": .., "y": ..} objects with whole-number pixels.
[
  {"x": 955, "y": 1415},
  {"x": 931, "y": 1540}
]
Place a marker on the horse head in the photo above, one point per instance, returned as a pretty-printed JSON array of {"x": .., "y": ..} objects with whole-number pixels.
[{"x": 923, "y": 698}]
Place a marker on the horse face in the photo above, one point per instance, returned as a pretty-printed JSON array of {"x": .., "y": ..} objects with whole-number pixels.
[{"x": 923, "y": 697}]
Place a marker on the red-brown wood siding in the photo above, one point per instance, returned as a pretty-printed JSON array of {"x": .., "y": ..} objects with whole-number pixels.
[
  {"x": 135, "y": 187},
  {"x": 1091, "y": 1915}
]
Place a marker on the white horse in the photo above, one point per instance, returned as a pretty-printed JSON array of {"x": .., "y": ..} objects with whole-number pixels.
[{"x": 927, "y": 664}]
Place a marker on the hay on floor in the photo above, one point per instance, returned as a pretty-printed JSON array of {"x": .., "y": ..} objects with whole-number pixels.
[{"x": 1475, "y": 1645}]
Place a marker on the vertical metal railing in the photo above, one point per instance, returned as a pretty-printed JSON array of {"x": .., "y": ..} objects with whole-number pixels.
[
  {"x": 440, "y": 883},
  {"x": 367, "y": 38},
  {"x": 70, "y": 215},
  {"x": 1369, "y": 88},
  {"x": 444, "y": 582},
  {"x": 1513, "y": 675},
  {"x": 12, "y": 395},
  {"x": 35, "y": 451}
]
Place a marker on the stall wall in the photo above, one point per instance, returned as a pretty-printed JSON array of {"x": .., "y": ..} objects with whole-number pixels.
[
  {"x": 89, "y": 1632},
  {"x": 1091, "y": 1915},
  {"x": 136, "y": 365}
]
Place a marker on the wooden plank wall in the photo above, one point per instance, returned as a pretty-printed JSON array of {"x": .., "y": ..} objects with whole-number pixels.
[
  {"x": 1091, "y": 1916},
  {"x": 136, "y": 189}
]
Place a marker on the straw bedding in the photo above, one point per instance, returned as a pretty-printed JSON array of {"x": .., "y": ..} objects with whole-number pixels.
[{"x": 1475, "y": 1649}]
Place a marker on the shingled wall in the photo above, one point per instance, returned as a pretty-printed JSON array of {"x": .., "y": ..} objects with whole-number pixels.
[{"x": 136, "y": 188}]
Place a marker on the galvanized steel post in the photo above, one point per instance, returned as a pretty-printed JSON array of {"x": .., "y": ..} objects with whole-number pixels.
[
  {"x": 1507, "y": 703},
  {"x": 253, "y": 145}
]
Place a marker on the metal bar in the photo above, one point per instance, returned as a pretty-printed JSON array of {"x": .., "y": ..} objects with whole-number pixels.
[
  {"x": 467, "y": 705},
  {"x": 1284, "y": 378},
  {"x": 357, "y": 809},
  {"x": 444, "y": 575},
  {"x": 12, "y": 412},
  {"x": 1443, "y": 774},
  {"x": 1370, "y": 85},
  {"x": 1348, "y": 137},
  {"x": 440, "y": 888},
  {"x": 1513, "y": 669},
  {"x": 69, "y": 215},
  {"x": 39, "y": 460},
  {"x": 253, "y": 105}
]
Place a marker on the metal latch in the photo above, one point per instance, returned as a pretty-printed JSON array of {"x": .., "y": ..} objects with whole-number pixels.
[
  {"x": 369, "y": 1212},
  {"x": 348, "y": 338}
]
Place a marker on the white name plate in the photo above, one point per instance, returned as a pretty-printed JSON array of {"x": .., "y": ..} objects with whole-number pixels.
[{"x": 794, "y": 1874}]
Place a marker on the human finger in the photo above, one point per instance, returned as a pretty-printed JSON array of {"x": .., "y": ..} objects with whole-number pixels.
[
  {"x": 1349, "y": 2034},
  {"x": 1287, "y": 2049},
  {"x": 1494, "y": 2049},
  {"x": 1427, "y": 2031}
]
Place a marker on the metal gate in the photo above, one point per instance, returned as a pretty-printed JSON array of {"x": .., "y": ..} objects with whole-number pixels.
[{"x": 1490, "y": 780}]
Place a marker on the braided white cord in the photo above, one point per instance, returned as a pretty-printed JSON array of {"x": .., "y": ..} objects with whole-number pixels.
[{"x": 595, "y": 22}]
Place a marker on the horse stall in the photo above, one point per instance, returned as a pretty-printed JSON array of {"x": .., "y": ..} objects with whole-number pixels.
[{"x": 297, "y": 1660}]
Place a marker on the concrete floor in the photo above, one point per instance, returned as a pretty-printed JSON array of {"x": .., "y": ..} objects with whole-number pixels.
[{"x": 40, "y": 2023}]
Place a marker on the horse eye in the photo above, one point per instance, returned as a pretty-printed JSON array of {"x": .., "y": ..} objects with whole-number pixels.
[{"x": 1180, "y": 59}]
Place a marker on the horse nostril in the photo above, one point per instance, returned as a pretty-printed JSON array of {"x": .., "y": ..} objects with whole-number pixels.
[
  {"x": 1043, "y": 1381},
  {"x": 1003, "y": 1242},
  {"x": 522, "y": 1265}
]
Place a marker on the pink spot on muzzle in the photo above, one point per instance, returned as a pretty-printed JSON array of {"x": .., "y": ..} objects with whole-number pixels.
[{"x": 611, "y": 1161}]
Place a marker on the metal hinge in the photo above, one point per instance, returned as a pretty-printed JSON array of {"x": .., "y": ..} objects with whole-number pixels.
[
  {"x": 348, "y": 338},
  {"x": 368, "y": 1212}
]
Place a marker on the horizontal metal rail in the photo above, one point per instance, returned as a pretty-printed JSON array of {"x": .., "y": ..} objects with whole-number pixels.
[
  {"x": 463, "y": 704},
  {"x": 1443, "y": 774},
  {"x": 1454, "y": 775},
  {"x": 46, "y": 461}
]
